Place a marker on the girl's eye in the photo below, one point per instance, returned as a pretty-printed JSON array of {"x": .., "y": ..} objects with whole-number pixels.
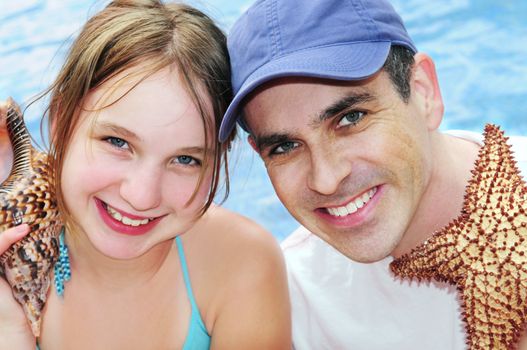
[
  {"x": 351, "y": 118},
  {"x": 284, "y": 147},
  {"x": 117, "y": 142},
  {"x": 187, "y": 160}
]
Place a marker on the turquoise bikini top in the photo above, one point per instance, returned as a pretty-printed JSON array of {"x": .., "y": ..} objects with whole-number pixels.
[{"x": 197, "y": 336}]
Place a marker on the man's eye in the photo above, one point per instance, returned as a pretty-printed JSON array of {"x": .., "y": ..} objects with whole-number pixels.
[
  {"x": 187, "y": 160},
  {"x": 285, "y": 147},
  {"x": 117, "y": 142},
  {"x": 351, "y": 118}
]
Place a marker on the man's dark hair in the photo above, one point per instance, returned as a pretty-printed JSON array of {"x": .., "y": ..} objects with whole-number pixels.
[{"x": 398, "y": 65}]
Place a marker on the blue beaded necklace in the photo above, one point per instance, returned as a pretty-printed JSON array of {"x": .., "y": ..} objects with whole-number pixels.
[{"x": 62, "y": 266}]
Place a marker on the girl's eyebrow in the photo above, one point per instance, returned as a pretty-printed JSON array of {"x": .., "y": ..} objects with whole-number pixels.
[
  {"x": 348, "y": 101},
  {"x": 117, "y": 129},
  {"x": 194, "y": 150},
  {"x": 130, "y": 135}
]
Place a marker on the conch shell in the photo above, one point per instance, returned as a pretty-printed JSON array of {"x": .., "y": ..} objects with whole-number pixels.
[
  {"x": 27, "y": 196},
  {"x": 483, "y": 251}
]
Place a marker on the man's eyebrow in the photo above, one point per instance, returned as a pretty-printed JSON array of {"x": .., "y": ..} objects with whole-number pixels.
[
  {"x": 117, "y": 129},
  {"x": 342, "y": 104},
  {"x": 264, "y": 141},
  {"x": 348, "y": 101}
]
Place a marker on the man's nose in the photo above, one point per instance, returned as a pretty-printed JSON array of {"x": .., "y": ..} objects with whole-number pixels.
[{"x": 328, "y": 168}]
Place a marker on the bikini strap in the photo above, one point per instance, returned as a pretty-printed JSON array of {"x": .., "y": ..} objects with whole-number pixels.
[{"x": 186, "y": 277}]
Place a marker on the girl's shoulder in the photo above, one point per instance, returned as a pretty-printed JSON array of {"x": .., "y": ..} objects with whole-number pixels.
[
  {"x": 240, "y": 281},
  {"x": 230, "y": 246},
  {"x": 227, "y": 227}
]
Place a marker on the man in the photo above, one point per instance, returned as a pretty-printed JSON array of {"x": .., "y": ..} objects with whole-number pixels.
[{"x": 345, "y": 112}]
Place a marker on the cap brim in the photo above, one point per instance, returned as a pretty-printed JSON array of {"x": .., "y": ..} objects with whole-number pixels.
[{"x": 352, "y": 61}]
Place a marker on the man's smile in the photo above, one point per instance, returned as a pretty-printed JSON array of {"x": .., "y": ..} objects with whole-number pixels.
[{"x": 353, "y": 205}]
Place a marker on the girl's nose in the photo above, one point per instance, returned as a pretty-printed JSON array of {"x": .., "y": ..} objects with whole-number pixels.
[{"x": 141, "y": 188}]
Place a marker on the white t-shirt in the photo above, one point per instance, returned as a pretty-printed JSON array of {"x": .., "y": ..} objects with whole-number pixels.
[{"x": 342, "y": 304}]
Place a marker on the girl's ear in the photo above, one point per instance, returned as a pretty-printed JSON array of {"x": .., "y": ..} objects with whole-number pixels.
[{"x": 426, "y": 92}]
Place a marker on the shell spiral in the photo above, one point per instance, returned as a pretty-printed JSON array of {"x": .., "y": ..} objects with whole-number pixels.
[{"x": 27, "y": 196}]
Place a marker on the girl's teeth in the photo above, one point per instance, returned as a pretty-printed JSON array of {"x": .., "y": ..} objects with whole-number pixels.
[
  {"x": 125, "y": 220},
  {"x": 354, "y": 205}
]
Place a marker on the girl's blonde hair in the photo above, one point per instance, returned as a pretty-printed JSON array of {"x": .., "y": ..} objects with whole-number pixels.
[{"x": 131, "y": 32}]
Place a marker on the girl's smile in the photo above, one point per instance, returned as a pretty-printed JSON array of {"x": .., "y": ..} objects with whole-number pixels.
[{"x": 125, "y": 223}]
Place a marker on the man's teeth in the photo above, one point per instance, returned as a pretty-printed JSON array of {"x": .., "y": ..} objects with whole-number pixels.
[
  {"x": 125, "y": 220},
  {"x": 354, "y": 205}
]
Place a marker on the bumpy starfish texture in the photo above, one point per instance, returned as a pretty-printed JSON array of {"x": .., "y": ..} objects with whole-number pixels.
[
  {"x": 483, "y": 251},
  {"x": 26, "y": 196}
]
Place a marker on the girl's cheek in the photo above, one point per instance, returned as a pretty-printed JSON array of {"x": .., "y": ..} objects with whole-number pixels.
[{"x": 181, "y": 190}]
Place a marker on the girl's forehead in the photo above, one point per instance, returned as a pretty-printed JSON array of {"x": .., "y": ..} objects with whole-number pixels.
[
  {"x": 157, "y": 100},
  {"x": 140, "y": 76}
]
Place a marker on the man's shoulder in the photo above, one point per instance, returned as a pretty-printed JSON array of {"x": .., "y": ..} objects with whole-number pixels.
[
  {"x": 296, "y": 239},
  {"x": 304, "y": 242},
  {"x": 304, "y": 251},
  {"x": 518, "y": 145},
  {"x": 308, "y": 257}
]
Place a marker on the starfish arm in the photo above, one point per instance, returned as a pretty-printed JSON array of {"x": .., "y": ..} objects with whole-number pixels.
[
  {"x": 437, "y": 258},
  {"x": 494, "y": 309},
  {"x": 484, "y": 251}
]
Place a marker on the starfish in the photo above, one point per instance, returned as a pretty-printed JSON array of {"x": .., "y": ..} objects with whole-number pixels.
[
  {"x": 26, "y": 196},
  {"x": 483, "y": 252}
]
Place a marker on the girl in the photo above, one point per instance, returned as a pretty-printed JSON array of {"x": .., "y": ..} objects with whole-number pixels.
[{"x": 134, "y": 115}]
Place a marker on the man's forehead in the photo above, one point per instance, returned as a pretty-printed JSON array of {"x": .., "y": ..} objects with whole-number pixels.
[{"x": 294, "y": 101}]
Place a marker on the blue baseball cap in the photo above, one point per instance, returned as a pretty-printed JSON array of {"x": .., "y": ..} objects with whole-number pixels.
[{"x": 332, "y": 39}]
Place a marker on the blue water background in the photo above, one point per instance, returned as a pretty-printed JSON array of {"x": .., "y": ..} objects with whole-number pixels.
[{"x": 479, "y": 46}]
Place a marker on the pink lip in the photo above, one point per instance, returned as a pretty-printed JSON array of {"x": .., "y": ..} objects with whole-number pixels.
[
  {"x": 355, "y": 219},
  {"x": 349, "y": 201},
  {"x": 122, "y": 228}
]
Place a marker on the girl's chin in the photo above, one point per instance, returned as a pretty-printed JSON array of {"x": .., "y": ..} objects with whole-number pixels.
[
  {"x": 119, "y": 249},
  {"x": 126, "y": 250}
]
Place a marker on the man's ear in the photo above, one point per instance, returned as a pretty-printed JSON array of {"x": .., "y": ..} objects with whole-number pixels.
[
  {"x": 425, "y": 90},
  {"x": 252, "y": 142}
]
